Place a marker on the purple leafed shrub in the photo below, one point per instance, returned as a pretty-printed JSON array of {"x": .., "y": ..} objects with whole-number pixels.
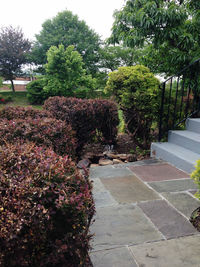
[
  {"x": 48, "y": 132},
  {"x": 46, "y": 207},
  {"x": 106, "y": 119},
  {"x": 11, "y": 113},
  {"x": 87, "y": 117}
]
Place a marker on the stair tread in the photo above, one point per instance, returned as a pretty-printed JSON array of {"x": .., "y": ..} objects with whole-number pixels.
[
  {"x": 187, "y": 133},
  {"x": 179, "y": 151},
  {"x": 194, "y": 119}
]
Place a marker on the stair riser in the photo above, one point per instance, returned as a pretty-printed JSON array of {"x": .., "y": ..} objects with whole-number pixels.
[
  {"x": 161, "y": 153},
  {"x": 188, "y": 143},
  {"x": 193, "y": 125}
]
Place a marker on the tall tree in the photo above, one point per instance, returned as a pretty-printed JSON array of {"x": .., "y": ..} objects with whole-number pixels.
[
  {"x": 67, "y": 29},
  {"x": 14, "y": 48},
  {"x": 113, "y": 57},
  {"x": 168, "y": 31}
]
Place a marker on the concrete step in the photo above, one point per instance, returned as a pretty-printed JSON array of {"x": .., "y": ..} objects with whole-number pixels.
[
  {"x": 178, "y": 156},
  {"x": 187, "y": 139},
  {"x": 193, "y": 125}
]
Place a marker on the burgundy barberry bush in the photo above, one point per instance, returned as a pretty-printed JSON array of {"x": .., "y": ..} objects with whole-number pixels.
[
  {"x": 48, "y": 132},
  {"x": 106, "y": 118},
  {"x": 87, "y": 117},
  {"x": 11, "y": 113},
  {"x": 46, "y": 207}
]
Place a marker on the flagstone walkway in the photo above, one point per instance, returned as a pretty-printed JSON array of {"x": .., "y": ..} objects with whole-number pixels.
[{"x": 142, "y": 216}]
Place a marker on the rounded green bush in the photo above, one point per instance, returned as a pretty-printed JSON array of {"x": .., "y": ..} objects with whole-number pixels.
[
  {"x": 196, "y": 177},
  {"x": 35, "y": 92},
  {"x": 136, "y": 90}
]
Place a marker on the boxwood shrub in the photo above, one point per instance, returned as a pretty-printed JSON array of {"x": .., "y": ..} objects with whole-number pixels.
[
  {"x": 46, "y": 208},
  {"x": 48, "y": 132}
]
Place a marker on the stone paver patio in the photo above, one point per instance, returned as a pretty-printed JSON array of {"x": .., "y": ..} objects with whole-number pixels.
[{"x": 142, "y": 216}]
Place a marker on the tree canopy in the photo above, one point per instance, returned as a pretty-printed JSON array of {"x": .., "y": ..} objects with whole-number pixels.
[
  {"x": 168, "y": 31},
  {"x": 113, "y": 57},
  {"x": 14, "y": 48},
  {"x": 67, "y": 29}
]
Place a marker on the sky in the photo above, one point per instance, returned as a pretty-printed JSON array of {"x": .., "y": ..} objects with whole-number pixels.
[{"x": 30, "y": 14}]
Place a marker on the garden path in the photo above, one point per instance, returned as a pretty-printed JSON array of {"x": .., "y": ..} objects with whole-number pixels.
[{"x": 142, "y": 218}]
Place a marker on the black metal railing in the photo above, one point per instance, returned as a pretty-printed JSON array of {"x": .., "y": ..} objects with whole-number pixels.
[{"x": 180, "y": 99}]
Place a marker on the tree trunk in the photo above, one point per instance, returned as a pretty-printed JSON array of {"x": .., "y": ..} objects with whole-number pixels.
[{"x": 12, "y": 86}]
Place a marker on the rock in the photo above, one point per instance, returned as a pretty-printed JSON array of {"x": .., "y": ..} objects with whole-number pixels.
[
  {"x": 122, "y": 156},
  {"x": 117, "y": 161},
  {"x": 84, "y": 163},
  {"x": 131, "y": 158},
  {"x": 94, "y": 165},
  {"x": 112, "y": 156},
  {"x": 104, "y": 162}
]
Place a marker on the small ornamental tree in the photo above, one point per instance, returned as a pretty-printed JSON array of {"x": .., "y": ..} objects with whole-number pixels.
[
  {"x": 136, "y": 90},
  {"x": 65, "y": 71},
  {"x": 14, "y": 48}
]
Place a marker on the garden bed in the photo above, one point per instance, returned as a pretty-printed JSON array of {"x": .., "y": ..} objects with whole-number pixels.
[{"x": 124, "y": 151}]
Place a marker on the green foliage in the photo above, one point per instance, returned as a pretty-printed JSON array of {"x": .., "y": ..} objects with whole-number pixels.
[
  {"x": 35, "y": 92},
  {"x": 4, "y": 100},
  {"x": 168, "y": 31},
  {"x": 113, "y": 57},
  {"x": 18, "y": 98},
  {"x": 46, "y": 208},
  {"x": 121, "y": 127},
  {"x": 67, "y": 29},
  {"x": 65, "y": 72},
  {"x": 136, "y": 91},
  {"x": 1, "y": 82},
  {"x": 196, "y": 177}
]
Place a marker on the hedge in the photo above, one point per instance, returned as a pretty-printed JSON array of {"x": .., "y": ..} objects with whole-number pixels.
[
  {"x": 87, "y": 117},
  {"x": 11, "y": 113},
  {"x": 46, "y": 208},
  {"x": 48, "y": 132}
]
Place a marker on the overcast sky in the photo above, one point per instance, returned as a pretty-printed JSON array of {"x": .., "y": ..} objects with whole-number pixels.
[{"x": 30, "y": 14}]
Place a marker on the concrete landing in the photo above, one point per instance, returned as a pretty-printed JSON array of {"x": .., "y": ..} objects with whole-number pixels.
[{"x": 142, "y": 212}]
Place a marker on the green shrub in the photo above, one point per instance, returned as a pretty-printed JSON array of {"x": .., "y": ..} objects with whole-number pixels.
[
  {"x": 65, "y": 72},
  {"x": 83, "y": 92},
  {"x": 86, "y": 117},
  {"x": 11, "y": 113},
  {"x": 35, "y": 92},
  {"x": 196, "y": 177},
  {"x": 48, "y": 132},
  {"x": 5, "y": 99},
  {"x": 136, "y": 91},
  {"x": 46, "y": 207}
]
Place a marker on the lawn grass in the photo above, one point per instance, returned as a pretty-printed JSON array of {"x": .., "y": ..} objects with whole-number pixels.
[{"x": 18, "y": 99}]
